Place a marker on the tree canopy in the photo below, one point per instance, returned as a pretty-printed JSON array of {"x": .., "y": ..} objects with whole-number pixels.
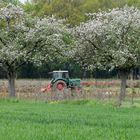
[
  {"x": 110, "y": 40},
  {"x": 24, "y": 39},
  {"x": 73, "y": 10}
]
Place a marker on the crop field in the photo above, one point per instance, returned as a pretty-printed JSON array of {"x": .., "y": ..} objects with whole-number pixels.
[
  {"x": 100, "y": 89},
  {"x": 68, "y": 120}
]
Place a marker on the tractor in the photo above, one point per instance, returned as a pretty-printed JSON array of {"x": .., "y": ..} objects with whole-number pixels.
[{"x": 61, "y": 81}]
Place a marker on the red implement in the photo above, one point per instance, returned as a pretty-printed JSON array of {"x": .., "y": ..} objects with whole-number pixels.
[{"x": 46, "y": 89}]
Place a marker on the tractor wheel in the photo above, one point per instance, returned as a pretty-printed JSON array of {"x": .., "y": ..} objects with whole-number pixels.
[
  {"x": 59, "y": 89},
  {"x": 59, "y": 86}
]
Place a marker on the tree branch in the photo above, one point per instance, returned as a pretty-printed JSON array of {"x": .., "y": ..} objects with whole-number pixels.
[
  {"x": 18, "y": 66},
  {"x": 3, "y": 42}
]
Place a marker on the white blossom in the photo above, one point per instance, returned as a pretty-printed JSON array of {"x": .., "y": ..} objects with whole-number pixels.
[
  {"x": 30, "y": 39},
  {"x": 110, "y": 39}
]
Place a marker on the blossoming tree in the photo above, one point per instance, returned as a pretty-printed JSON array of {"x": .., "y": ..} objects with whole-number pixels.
[
  {"x": 25, "y": 39},
  {"x": 111, "y": 40}
]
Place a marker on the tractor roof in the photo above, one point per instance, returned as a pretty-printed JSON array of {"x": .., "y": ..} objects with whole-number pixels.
[{"x": 61, "y": 71}]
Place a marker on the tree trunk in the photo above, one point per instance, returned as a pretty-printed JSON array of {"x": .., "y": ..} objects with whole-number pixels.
[
  {"x": 123, "y": 77},
  {"x": 11, "y": 84}
]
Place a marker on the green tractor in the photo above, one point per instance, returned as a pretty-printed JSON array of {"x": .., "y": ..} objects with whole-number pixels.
[{"x": 61, "y": 81}]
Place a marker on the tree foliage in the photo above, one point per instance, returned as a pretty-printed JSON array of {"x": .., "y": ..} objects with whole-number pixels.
[
  {"x": 73, "y": 10},
  {"x": 23, "y": 39},
  {"x": 110, "y": 40}
]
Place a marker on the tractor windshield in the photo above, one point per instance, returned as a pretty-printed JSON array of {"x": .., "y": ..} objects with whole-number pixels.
[
  {"x": 65, "y": 75},
  {"x": 60, "y": 75}
]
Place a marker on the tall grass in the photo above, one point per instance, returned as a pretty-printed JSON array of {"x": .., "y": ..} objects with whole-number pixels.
[
  {"x": 67, "y": 120},
  {"x": 100, "y": 89}
]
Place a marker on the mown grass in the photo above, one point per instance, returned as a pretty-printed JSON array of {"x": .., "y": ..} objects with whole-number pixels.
[{"x": 68, "y": 120}]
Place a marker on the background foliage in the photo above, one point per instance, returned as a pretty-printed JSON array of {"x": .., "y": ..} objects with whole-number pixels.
[{"x": 74, "y": 12}]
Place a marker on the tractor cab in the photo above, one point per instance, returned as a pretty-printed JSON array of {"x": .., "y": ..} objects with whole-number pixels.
[{"x": 60, "y": 74}]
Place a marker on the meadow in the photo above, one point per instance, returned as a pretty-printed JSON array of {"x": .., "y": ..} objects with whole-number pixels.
[{"x": 68, "y": 120}]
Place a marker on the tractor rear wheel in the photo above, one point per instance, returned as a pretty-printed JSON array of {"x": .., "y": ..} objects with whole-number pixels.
[
  {"x": 59, "y": 86},
  {"x": 59, "y": 89}
]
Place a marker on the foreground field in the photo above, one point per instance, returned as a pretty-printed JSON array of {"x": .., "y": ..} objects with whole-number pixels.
[{"x": 72, "y": 120}]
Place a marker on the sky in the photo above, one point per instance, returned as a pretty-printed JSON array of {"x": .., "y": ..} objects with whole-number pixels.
[{"x": 23, "y": 1}]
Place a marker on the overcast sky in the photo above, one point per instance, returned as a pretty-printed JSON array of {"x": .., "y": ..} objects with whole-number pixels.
[{"x": 23, "y": 1}]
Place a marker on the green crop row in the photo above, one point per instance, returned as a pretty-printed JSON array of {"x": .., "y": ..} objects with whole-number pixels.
[{"x": 67, "y": 120}]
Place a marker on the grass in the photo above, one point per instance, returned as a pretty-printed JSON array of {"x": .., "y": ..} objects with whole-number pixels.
[{"x": 68, "y": 120}]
